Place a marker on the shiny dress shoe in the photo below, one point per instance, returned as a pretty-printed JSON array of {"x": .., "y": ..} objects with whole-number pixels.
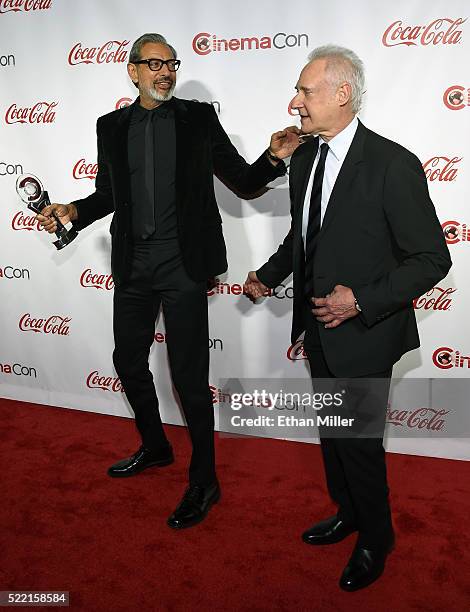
[
  {"x": 141, "y": 460},
  {"x": 329, "y": 531},
  {"x": 193, "y": 508},
  {"x": 364, "y": 567}
]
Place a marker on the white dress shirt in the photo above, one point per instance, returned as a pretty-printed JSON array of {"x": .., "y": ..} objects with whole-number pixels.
[{"x": 338, "y": 148}]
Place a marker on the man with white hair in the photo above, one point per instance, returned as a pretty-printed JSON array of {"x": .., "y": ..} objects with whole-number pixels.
[{"x": 357, "y": 262}]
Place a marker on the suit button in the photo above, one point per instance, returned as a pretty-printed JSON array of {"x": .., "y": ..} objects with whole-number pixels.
[{"x": 125, "y": 204}]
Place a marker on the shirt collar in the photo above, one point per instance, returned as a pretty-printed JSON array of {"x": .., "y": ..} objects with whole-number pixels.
[
  {"x": 339, "y": 144},
  {"x": 139, "y": 112}
]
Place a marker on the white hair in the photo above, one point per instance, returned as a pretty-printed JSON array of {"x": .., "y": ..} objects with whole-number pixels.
[{"x": 343, "y": 65}]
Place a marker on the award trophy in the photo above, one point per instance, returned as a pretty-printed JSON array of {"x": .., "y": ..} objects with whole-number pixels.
[{"x": 31, "y": 191}]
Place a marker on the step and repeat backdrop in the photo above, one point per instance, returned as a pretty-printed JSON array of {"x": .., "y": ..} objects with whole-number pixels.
[{"x": 63, "y": 64}]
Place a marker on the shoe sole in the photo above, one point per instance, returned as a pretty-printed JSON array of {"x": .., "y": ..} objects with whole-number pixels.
[
  {"x": 161, "y": 463},
  {"x": 200, "y": 519}
]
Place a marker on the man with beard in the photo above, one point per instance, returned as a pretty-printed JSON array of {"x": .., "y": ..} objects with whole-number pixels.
[{"x": 156, "y": 161}]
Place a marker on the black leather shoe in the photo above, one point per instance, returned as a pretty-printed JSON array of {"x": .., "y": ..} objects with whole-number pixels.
[
  {"x": 329, "y": 531},
  {"x": 364, "y": 567},
  {"x": 141, "y": 460},
  {"x": 193, "y": 508}
]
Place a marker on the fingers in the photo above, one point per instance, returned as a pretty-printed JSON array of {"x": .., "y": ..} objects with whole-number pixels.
[
  {"x": 333, "y": 324},
  {"x": 320, "y": 312},
  {"x": 47, "y": 217}
]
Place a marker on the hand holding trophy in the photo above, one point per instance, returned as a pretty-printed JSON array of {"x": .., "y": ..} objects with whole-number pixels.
[{"x": 31, "y": 191}]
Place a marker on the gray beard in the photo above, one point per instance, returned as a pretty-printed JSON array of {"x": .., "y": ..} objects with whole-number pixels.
[{"x": 158, "y": 97}]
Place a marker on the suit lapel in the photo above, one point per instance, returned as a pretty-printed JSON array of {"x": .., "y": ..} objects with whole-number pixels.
[
  {"x": 121, "y": 134},
  {"x": 341, "y": 194},
  {"x": 183, "y": 145}
]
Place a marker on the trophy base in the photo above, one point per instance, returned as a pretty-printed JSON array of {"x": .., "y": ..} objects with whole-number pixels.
[{"x": 64, "y": 238}]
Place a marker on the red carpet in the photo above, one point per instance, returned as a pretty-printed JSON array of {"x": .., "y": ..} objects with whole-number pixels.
[{"x": 67, "y": 526}]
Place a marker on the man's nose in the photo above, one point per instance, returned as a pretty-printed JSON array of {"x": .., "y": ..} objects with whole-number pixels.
[{"x": 296, "y": 102}]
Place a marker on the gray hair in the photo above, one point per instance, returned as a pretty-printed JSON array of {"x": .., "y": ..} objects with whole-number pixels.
[
  {"x": 134, "y": 55},
  {"x": 343, "y": 65}
]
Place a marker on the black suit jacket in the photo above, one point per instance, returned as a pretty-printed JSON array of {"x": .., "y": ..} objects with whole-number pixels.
[
  {"x": 380, "y": 236},
  {"x": 202, "y": 150}
]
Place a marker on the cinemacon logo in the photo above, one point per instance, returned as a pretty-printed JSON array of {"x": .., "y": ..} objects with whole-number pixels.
[
  {"x": 281, "y": 292},
  {"x": 455, "y": 232},
  {"x": 84, "y": 169},
  {"x": 96, "y": 281},
  {"x": 21, "y": 221},
  {"x": 55, "y": 325},
  {"x": 442, "y": 168},
  {"x": 123, "y": 102},
  {"x": 105, "y": 383},
  {"x": 215, "y": 344},
  {"x": 456, "y": 97},
  {"x": 10, "y": 273},
  {"x": 205, "y": 43},
  {"x": 7, "y": 169},
  {"x": 18, "y": 370},
  {"x": 24, "y": 5},
  {"x": 436, "y": 298},
  {"x": 111, "y": 52},
  {"x": 446, "y": 358},
  {"x": 41, "y": 112},
  {"x": 440, "y": 31}
]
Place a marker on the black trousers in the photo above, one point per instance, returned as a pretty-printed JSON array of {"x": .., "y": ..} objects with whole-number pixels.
[
  {"x": 159, "y": 279},
  {"x": 355, "y": 467}
]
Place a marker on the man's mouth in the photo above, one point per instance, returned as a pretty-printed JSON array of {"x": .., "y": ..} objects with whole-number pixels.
[{"x": 163, "y": 84}]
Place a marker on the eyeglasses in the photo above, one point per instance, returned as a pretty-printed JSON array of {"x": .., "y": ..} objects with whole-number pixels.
[{"x": 156, "y": 64}]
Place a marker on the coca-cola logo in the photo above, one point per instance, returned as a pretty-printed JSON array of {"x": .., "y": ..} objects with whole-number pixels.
[
  {"x": 296, "y": 352},
  {"x": 83, "y": 169},
  {"x": 456, "y": 97},
  {"x": 442, "y": 168},
  {"x": 24, "y": 5},
  {"x": 446, "y": 358},
  {"x": 105, "y": 383},
  {"x": 205, "y": 43},
  {"x": 455, "y": 232},
  {"x": 97, "y": 281},
  {"x": 111, "y": 52},
  {"x": 25, "y": 222},
  {"x": 123, "y": 102},
  {"x": 41, "y": 112},
  {"x": 440, "y": 31},
  {"x": 55, "y": 325},
  {"x": 431, "y": 419},
  {"x": 436, "y": 298}
]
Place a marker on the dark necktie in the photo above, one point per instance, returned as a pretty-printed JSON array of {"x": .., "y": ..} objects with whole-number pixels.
[
  {"x": 148, "y": 211},
  {"x": 314, "y": 216}
]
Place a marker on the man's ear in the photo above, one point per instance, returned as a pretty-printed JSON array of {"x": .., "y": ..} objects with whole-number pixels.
[
  {"x": 344, "y": 93},
  {"x": 132, "y": 72}
]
